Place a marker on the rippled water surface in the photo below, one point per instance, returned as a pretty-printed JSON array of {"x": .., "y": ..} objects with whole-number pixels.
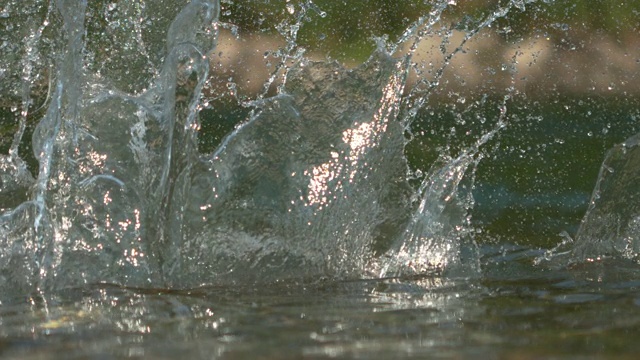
[{"x": 515, "y": 311}]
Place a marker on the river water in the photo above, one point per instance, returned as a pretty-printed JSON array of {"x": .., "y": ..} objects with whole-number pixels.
[{"x": 204, "y": 179}]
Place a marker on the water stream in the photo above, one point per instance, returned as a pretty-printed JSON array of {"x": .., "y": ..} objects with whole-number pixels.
[{"x": 116, "y": 220}]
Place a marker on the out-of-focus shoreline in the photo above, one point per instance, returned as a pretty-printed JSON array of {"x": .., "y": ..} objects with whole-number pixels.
[{"x": 541, "y": 67}]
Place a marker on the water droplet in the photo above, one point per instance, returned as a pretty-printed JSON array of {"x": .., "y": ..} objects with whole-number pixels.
[{"x": 519, "y": 4}]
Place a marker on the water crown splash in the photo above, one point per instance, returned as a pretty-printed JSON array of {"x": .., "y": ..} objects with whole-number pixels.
[{"x": 313, "y": 183}]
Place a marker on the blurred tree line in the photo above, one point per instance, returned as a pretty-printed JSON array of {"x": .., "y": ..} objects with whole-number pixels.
[{"x": 347, "y": 29}]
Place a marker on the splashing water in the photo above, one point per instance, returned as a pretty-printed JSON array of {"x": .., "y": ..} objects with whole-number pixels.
[
  {"x": 110, "y": 163},
  {"x": 610, "y": 227},
  {"x": 612, "y": 223},
  {"x": 313, "y": 183},
  {"x": 229, "y": 178}
]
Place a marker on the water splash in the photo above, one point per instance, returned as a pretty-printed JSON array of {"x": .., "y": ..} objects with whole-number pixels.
[
  {"x": 611, "y": 226},
  {"x": 313, "y": 183},
  {"x": 111, "y": 163},
  {"x": 297, "y": 177}
]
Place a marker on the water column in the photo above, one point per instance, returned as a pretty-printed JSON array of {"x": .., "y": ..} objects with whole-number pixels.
[
  {"x": 115, "y": 166},
  {"x": 190, "y": 37}
]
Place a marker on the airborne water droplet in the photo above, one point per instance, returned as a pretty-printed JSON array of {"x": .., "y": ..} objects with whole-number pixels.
[{"x": 519, "y": 4}]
